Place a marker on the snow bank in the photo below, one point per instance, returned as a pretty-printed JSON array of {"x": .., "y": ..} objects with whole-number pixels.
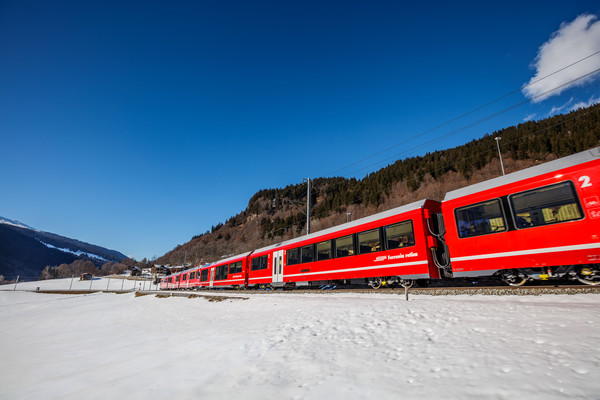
[{"x": 299, "y": 346}]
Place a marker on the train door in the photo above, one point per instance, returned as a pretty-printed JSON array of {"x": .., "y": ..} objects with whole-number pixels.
[
  {"x": 212, "y": 276},
  {"x": 278, "y": 266}
]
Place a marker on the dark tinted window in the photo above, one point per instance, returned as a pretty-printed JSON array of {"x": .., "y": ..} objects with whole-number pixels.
[
  {"x": 546, "y": 205},
  {"x": 292, "y": 256},
  {"x": 204, "y": 275},
  {"x": 221, "y": 273},
  {"x": 399, "y": 235},
  {"x": 235, "y": 268},
  {"x": 259, "y": 263},
  {"x": 480, "y": 219},
  {"x": 369, "y": 241},
  {"x": 307, "y": 254},
  {"x": 324, "y": 250},
  {"x": 344, "y": 246}
]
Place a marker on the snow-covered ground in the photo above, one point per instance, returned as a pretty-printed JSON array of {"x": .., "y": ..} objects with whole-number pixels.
[{"x": 299, "y": 346}]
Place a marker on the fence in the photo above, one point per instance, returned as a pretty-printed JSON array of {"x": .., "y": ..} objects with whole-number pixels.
[{"x": 105, "y": 283}]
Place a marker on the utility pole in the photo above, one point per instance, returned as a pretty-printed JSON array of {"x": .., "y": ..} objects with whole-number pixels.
[
  {"x": 308, "y": 206},
  {"x": 499, "y": 153}
]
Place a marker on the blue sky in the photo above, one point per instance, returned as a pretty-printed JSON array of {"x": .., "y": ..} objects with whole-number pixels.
[{"x": 137, "y": 125}]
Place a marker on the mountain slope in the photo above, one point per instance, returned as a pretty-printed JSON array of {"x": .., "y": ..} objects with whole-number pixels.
[{"x": 25, "y": 251}]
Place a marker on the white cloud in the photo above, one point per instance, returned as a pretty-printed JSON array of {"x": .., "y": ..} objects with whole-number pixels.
[
  {"x": 572, "y": 42},
  {"x": 558, "y": 109},
  {"x": 529, "y": 117},
  {"x": 584, "y": 104}
]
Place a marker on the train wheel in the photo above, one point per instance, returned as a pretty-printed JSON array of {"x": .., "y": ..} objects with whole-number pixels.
[
  {"x": 375, "y": 283},
  {"x": 588, "y": 276},
  {"x": 514, "y": 278}
]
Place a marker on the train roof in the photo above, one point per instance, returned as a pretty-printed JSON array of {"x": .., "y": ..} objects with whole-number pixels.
[
  {"x": 371, "y": 218},
  {"x": 555, "y": 165},
  {"x": 226, "y": 260}
]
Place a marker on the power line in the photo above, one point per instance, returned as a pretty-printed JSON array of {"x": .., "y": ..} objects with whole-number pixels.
[
  {"x": 468, "y": 126},
  {"x": 466, "y": 114}
]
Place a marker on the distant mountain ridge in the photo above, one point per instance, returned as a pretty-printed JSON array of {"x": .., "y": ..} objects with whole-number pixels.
[
  {"x": 26, "y": 251},
  {"x": 14, "y": 223}
]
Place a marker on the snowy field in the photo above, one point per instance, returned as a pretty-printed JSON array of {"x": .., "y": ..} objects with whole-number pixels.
[{"x": 299, "y": 346}]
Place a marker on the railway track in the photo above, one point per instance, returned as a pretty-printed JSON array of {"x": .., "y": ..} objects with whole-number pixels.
[{"x": 431, "y": 291}]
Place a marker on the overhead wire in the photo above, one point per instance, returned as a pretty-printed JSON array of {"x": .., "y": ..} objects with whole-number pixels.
[
  {"x": 471, "y": 125},
  {"x": 463, "y": 115}
]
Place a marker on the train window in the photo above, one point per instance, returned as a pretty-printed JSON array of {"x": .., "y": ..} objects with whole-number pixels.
[
  {"x": 480, "y": 219},
  {"x": 292, "y": 257},
  {"x": 235, "y": 268},
  {"x": 221, "y": 273},
  {"x": 198, "y": 274},
  {"x": 399, "y": 235},
  {"x": 259, "y": 263},
  {"x": 546, "y": 205},
  {"x": 307, "y": 254},
  {"x": 369, "y": 241},
  {"x": 324, "y": 250},
  {"x": 184, "y": 277},
  {"x": 344, "y": 246},
  {"x": 204, "y": 275}
]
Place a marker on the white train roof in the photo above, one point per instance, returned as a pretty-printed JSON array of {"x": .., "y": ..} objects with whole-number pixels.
[
  {"x": 555, "y": 165},
  {"x": 371, "y": 218}
]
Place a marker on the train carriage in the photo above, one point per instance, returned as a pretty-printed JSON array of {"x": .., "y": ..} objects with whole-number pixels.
[
  {"x": 392, "y": 247},
  {"x": 227, "y": 273},
  {"x": 536, "y": 223}
]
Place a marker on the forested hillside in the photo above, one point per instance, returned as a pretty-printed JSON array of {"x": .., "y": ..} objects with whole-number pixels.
[{"x": 271, "y": 216}]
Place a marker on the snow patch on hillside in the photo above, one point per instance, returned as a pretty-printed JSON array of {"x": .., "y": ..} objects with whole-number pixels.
[{"x": 78, "y": 253}]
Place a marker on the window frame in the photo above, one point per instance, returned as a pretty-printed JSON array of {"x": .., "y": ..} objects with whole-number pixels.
[
  {"x": 330, "y": 247},
  {"x": 238, "y": 268},
  {"x": 385, "y": 234},
  {"x": 219, "y": 275},
  {"x": 378, "y": 229},
  {"x": 312, "y": 253},
  {"x": 568, "y": 183},
  {"x": 287, "y": 256},
  {"x": 204, "y": 275},
  {"x": 352, "y": 246},
  {"x": 259, "y": 262},
  {"x": 498, "y": 200}
]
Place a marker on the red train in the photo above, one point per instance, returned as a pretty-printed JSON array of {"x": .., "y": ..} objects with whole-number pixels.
[{"x": 539, "y": 223}]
